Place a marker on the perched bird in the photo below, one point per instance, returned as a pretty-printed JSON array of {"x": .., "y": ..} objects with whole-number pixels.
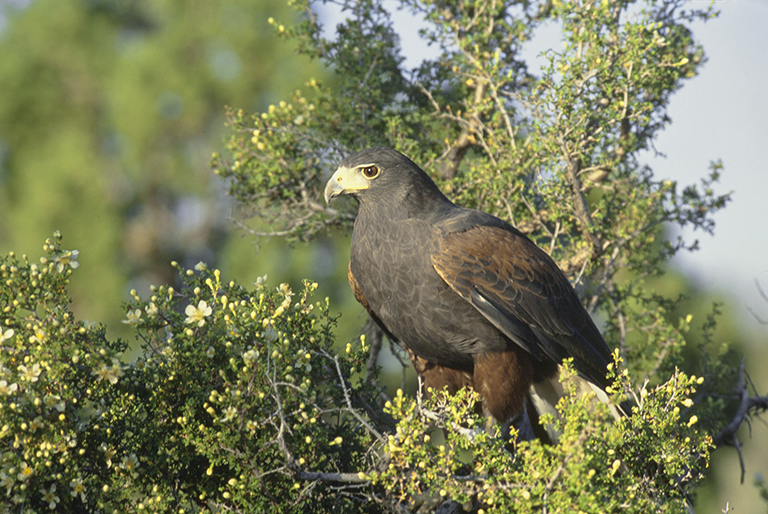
[{"x": 473, "y": 301}]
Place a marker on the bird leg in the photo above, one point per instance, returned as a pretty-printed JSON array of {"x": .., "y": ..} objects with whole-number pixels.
[
  {"x": 437, "y": 378},
  {"x": 502, "y": 379}
]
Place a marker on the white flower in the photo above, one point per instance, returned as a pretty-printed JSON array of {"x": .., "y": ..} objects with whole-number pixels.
[
  {"x": 78, "y": 487},
  {"x": 37, "y": 423},
  {"x": 50, "y": 497},
  {"x": 67, "y": 258},
  {"x": 198, "y": 314},
  {"x": 285, "y": 289},
  {"x": 25, "y": 472},
  {"x": 250, "y": 357},
  {"x": 133, "y": 317},
  {"x": 7, "y": 482},
  {"x": 111, "y": 373},
  {"x": 130, "y": 463},
  {"x": 151, "y": 309},
  {"x": 40, "y": 335},
  {"x": 54, "y": 401},
  {"x": 6, "y": 389},
  {"x": 30, "y": 374},
  {"x": 108, "y": 454},
  {"x": 4, "y": 336},
  {"x": 229, "y": 414}
]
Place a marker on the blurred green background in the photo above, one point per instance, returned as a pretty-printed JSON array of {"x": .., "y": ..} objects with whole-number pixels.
[{"x": 109, "y": 113}]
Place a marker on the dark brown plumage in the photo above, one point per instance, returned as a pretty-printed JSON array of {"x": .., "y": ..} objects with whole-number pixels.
[{"x": 473, "y": 301}]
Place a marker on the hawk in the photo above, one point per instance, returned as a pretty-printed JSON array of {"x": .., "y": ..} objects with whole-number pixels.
[{"x": 473, "y": 301}]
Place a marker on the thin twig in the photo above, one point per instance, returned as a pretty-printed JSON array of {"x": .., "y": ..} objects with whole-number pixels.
[{"x": 347, "y": 399}]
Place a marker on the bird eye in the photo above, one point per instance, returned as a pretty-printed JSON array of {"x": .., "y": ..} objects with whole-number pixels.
[{"x": 370, "y": 171}]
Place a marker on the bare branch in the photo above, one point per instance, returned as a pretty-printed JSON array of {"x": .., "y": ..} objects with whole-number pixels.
[
  {"x": 765, "y": 297},
  {"x": 345, "y": 478},
  {"x": 748, "y": 405},
  {"x": 350, "y": 408}
]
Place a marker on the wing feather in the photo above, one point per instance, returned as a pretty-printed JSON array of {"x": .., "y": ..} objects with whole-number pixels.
[{"x": 521, "y": 291}]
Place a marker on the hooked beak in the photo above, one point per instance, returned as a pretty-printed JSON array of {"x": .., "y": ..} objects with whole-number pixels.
[{"x": 344, "y": 181}]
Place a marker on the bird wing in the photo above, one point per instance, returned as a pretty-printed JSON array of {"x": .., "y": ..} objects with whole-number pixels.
[{"x": 522, "y": 292}]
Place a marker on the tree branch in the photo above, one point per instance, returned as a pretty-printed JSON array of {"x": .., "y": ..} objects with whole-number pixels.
[
  {"x": 748, "y": 405},
  {"x": 344, "y": 478}
]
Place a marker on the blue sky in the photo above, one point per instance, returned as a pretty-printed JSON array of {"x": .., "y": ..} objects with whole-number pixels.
[{"x": 723, "y": 113}]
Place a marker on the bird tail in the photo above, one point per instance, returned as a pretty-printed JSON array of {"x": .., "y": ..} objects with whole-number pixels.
[{"x": 543, "y": 396}]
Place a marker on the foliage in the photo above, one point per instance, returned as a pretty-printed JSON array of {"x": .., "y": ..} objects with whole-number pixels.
[
  {"x": 56, "y": 372},
  {"x": 594, "y": 467},
  {"x": 239, "y": 403},
  {"x": 236, "y": 391}
]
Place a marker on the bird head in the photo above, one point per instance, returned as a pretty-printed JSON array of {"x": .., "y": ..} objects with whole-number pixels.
[
  {"x": 355, "y": 174},
  {"x": 383, "y": 174}
]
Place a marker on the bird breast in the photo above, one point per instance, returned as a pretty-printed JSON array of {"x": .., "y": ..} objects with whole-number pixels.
[{"x": 393, "y": 266}]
